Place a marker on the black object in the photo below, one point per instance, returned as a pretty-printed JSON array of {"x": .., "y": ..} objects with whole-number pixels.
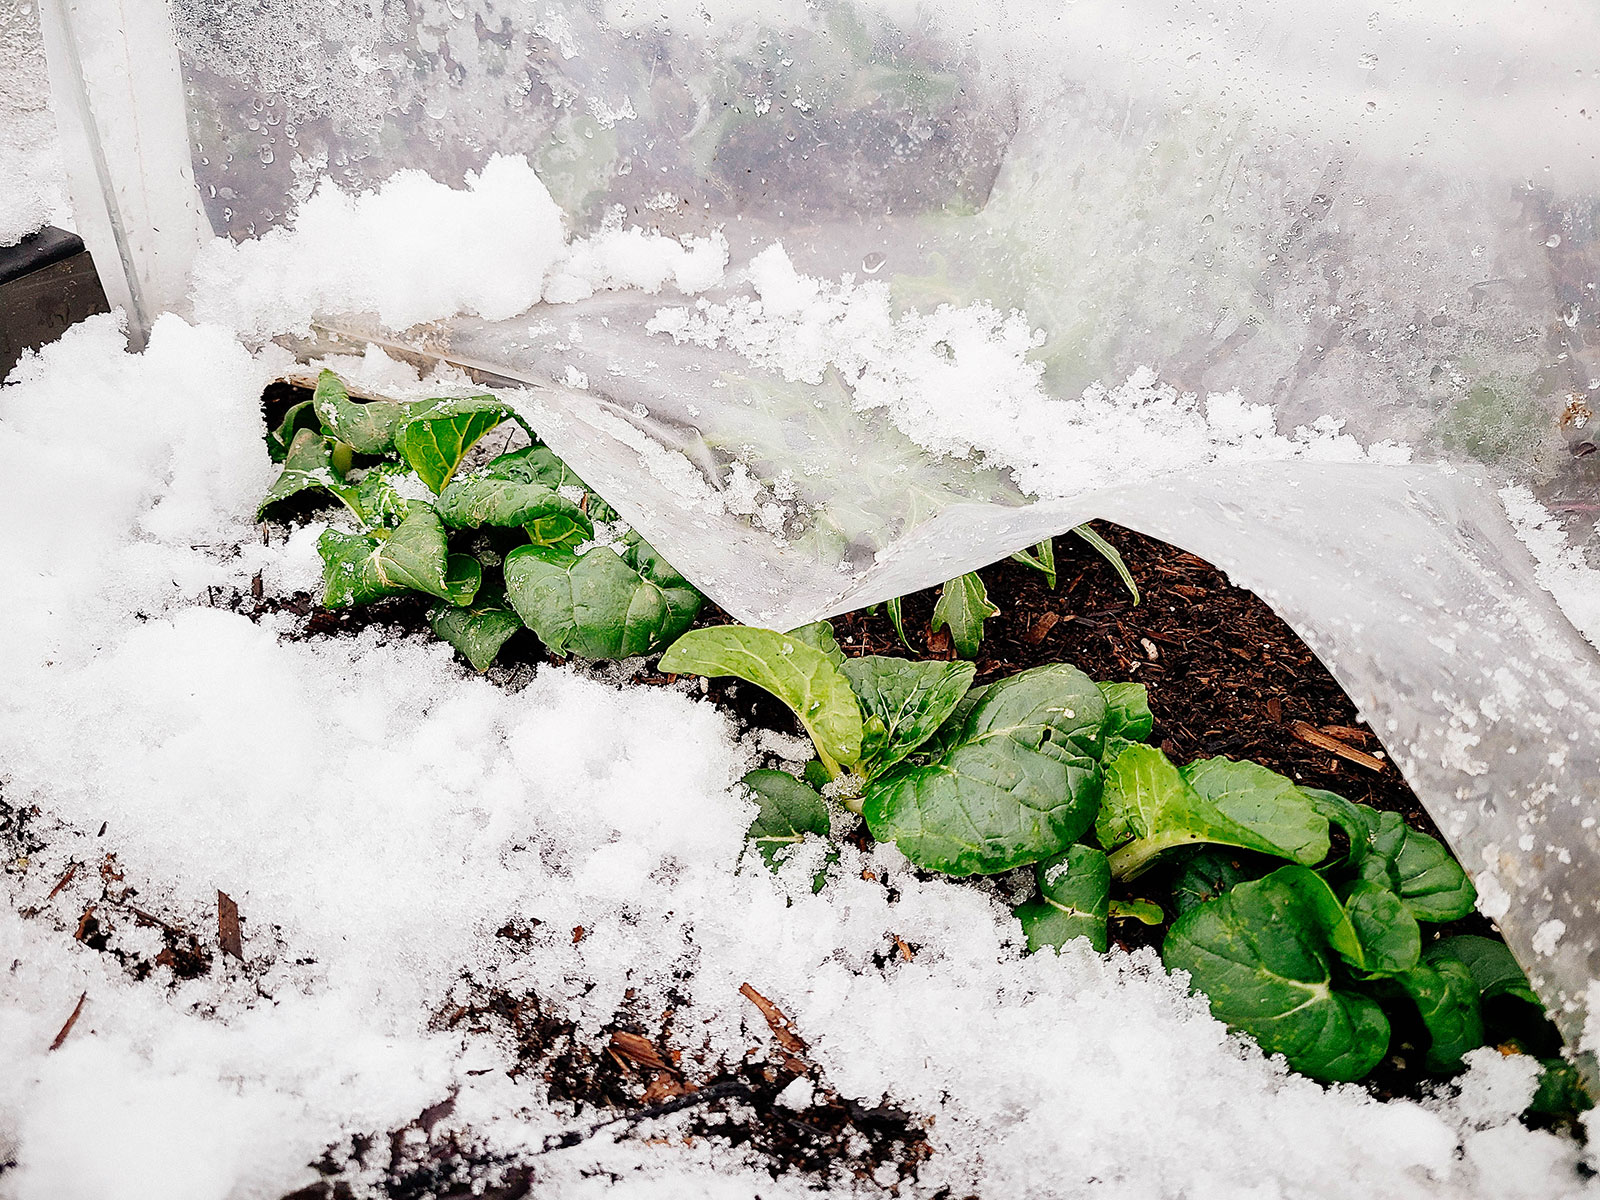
[{"x": 47, "y": 282}]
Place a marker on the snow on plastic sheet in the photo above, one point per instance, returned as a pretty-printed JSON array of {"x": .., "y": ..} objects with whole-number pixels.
[
  {"x": 378, "y": 813},
  {"x": 34, "y": 192}
]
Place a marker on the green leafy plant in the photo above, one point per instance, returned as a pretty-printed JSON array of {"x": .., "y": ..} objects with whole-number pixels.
[
  {"x": 505, "y": 547},
  {"x": 1311, "y": 944}
]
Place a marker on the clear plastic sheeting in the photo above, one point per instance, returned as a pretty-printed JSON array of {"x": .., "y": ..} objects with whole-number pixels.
[{"x": 1355, "y": 249}]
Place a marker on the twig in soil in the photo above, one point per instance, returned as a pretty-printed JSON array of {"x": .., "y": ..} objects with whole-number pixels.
[
  {"x": 66, "y": 878},
  {"x": 1312, "y": 736},
  {"x": 71, "y": 1021},
  {"x": 638, "y": 1049},
  {"x": 228, "y": 926},
  {"x": 782, "y": 1030}
]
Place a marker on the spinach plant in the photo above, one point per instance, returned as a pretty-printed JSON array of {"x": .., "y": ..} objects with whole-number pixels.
[
  {"x": 1309, "y": 943},
  {"x": 508, "y": 546}
]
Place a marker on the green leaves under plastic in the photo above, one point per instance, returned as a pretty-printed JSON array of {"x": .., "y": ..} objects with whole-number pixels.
[
  {"x": 309, "y": 466},
  {"x": 790, "y": 809},
  {"x": 903, "y": 703},
  {"x": 540, "y": 464},
  {"x": 600, "y": 604},
  {"x": 1074, "y": 900},
  {"x": 1016, "y": 780},
  {"x": 1264, "y": 964},
  {"x": 1128, "y": 716},
  {"x": 549, "y": 518},
  {"x": 802, "y": 676},
  {"x": 1150, "y": 807},
  {"x": 963, "y": 606},
  {"x": 435, "y": 437},
  {"x": 367, "y": 428},
  {"x": 360, "y": 568},
  {"x": 1447, "y": 1000},
  {"x": 479, "y": 629},
  {"x": 1493, "y": 967}
]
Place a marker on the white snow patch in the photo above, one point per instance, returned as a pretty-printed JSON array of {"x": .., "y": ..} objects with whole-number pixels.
[{"x": 1562, "y": 569}]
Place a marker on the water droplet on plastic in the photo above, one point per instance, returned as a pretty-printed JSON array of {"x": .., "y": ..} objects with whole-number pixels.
[
  {"x": 1553, "y": 240},
  {"x": 1208, "y": 219},
  {"x": 457, "y": 9},
  {"x": 1368, "y": 62},
  {"x": 266, "y": 155},
  {"x": 873, "y": 263}
]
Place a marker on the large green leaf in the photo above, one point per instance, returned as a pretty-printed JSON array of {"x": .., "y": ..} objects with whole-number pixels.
[
  {"x": 367, "y": 428},
  {"x": 1264, "y": 965},
  {"x": 789, "y": 810},
  {"x": 549, "y": 518},
  {"x": 1128, "y": 716},
  {"x": 600, "y": 604},
  {"x": 359, "y": 568},
  {"x": 379, "y": 500},
  {"x": 819, "y": 636},
  {"x": 1074, "y": 900},
  {"x": 1017, "y": 782},
  {"x": 1493, "y": 967},
  {"x": 477, "y": 630},
  {"x": 964, "y": 606},
  {"x": 1205, "y": 875},
  {"x": 909, "y": 700},
  {"x": 435, "y": 437},
  {"x": 1150, "y": 807},
  {"x": 799, "y": 674},
  {"x": 309, "y": 466},
  {"x": 1430, "y": 881},
  {"x": 1447, "y": 1000}
]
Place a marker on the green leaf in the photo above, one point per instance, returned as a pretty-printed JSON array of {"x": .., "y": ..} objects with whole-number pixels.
[
  {"x": 1146, "y": 912},
  {"x": 463, "y": 575},
  {"x": 309, "y": 466},
  {"x": 1074, "y": 895},
  {"x": 1205, "y": 875},
  {"x": 1151, "y": 807},
  {"x": 1128, "y": 716},
  {"x": 909, "y": 699},
  {"x": 1493, "y": 967},
  {"x": 964, "y": 606},
  {"x": 1430, "y": 881},
  {"x": 299, "y": 416},
  {"x": 380, "y": 503},
  {"x": 1264, "y": 965},
  {"x": 897, "y": 618},
  {"x": 1369, "y": 929},
  {"x": 819, "y": 636},
  {"x": 539, "y": 464},
  {"x": 367, "y": 428},
  {"x": 790, "y": 809},
  {"x": 549, "y": 518},
  {"x": 816, "y": 774},
  {"x": 359, "y": 568},
  {"x": 1110, "y": 553},
  {"x": 1016, "y": 782},
  {"x": 435, "y": 437},
  {"x": 1447, "y": 1000},
  {"x": 799, "y": 674},
  {"x": 478, "y": 630},
  {"x": 1042, "y": 559},
  {"x": 600, "y": 604}
]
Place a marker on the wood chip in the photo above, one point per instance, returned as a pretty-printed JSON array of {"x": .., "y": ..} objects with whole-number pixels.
[
  {"x": 1042, "y": 628},
  {"x": 905, "y": 950},
  {"x": 71, "y": 1021},
  {"x": 1347, "y": 733},
  {"x": 66, "y": 878},
  {"x": 228, "y": 926},
  {"x": 638, "y": 1049},
  {"x": 577, "y": 934},
  {"x": 1312, "y": 736},
  {"x": 1275, "y": 708},
  {"x": 776, "y": 1021}
]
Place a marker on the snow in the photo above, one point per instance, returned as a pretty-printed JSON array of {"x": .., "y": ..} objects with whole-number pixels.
[
  {"x": 34, "y": 189},
  {"x": 378, "y": 812},
  {"x": 959, "y": 381},
  {"x": 494, "y": 248},
  {"x": 1563, "y": 569}
]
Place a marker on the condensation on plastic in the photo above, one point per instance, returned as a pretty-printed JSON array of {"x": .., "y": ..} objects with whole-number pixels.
[{"x": 1383, "y": 213}]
